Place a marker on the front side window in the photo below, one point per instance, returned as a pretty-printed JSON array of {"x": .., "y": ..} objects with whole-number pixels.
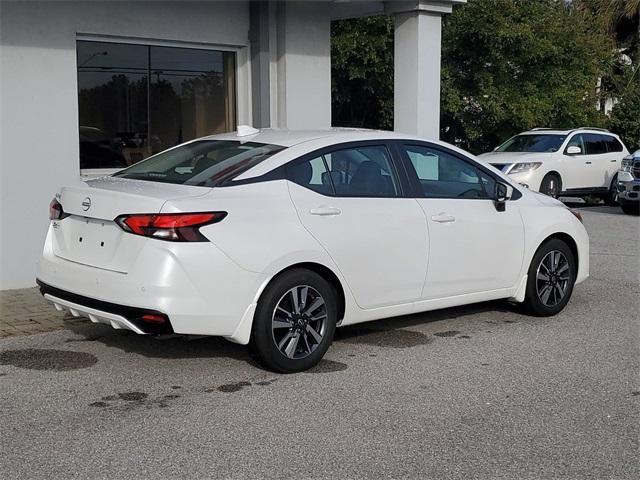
[
  {"x": 595, "y": 144},
  {"x": 577, "y": 141},
  {"x": 137, "y": 100},
  {"x": 533, "y": 143},
  {"x": 204, "y": 163},
  {"x": 443, "y": 175},
  {"x": 350, "y": 172}
]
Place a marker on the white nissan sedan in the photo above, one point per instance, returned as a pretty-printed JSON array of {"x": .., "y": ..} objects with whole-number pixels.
[{"x": 275, "y": 238}]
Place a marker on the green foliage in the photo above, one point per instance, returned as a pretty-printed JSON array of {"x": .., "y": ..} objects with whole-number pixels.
[
  {"x": 625, "y": 117},
  {"x": 507, "y": 66},
  {"x": 511, "y": 65},
  {"x": 362, "y": 72}
]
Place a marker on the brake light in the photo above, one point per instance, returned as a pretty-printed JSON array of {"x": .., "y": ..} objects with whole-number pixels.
[
  {"x": 174, "y": 227},
  {"x": 55, "y": 210}
]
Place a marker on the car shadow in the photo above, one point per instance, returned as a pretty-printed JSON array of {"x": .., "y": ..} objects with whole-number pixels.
[
  {"x": 389, "y": 332},
  {"x": 167, "y": 347}
]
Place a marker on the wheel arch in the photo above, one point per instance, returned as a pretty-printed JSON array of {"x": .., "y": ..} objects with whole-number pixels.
[
  {"x": 326, "y": 273},
  {"x": 553, "y": 172},
  {"x": 566, "y": 238}
]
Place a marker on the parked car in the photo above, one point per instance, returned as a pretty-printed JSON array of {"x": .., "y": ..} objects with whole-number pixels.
[
  {"x": 629, "y": 184},
  {"x": 275, "y": 238},
  {"x": 569, "y": 163}
]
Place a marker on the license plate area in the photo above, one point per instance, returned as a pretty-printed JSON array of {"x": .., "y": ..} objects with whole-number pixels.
[{"x": 91, "y": 242}]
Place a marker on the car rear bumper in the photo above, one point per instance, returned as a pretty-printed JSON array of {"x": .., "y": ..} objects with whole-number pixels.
[
  {"x": 199, "y": 289},
  {"x": 98, "y": 311}
]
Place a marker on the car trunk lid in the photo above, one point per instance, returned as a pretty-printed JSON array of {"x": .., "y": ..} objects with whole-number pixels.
[{"x": 91, "y": 237}]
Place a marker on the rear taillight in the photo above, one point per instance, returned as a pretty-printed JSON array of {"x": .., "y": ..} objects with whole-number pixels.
[
  {"x": 174, "y": 227},
  {"x": 55, "y": 210}
]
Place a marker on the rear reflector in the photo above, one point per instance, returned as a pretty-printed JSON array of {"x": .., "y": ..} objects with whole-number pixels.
[
  {"x": 174, "y": 227},
  {"x": 154, "y": 318}
]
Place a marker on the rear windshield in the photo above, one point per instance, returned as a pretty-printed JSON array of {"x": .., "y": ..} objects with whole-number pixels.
[
  {"x": 532, "y": 143},
  {"x": 203, "y": 163}
]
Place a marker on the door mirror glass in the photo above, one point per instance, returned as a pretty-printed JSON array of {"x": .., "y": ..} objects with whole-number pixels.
[
  {"x": 574, "y": 150},
  {"x": 502, "y": 192}
]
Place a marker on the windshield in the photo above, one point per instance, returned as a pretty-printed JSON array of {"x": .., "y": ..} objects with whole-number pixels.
[
  {"x": 203, "y": 163},
  {"x": 532, "y": 143}
]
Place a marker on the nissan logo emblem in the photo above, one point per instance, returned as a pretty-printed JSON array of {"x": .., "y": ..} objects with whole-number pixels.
[{"x": 86, "y": 204}]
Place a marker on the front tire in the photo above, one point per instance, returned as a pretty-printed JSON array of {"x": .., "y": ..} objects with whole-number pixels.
[
  {"x": 294, "y": 321},
  {"x": 551, "y": 277},
  {"x": 551, "y": 185},
  {"x": 611, "y": 198}
]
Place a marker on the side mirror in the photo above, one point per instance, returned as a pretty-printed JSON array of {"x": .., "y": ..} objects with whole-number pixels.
[
  {"x": 574, "y": 150},
  {"x": 502, "y": 194}
]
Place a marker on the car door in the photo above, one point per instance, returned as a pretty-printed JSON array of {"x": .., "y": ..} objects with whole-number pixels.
[
  {"x": 473, "y": 247},
  {"x": 612, "y": 162},
  {"x": 350, "y": 198},
  {"x": 599, "y": 157},
  {"x": 578, "y": 168},
  {"x": 589, "y": 168}
]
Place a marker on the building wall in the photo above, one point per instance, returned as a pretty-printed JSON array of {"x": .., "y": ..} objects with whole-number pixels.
[
  {"x": 39, "y": 149},
  {"x": 39, "y": 100}
]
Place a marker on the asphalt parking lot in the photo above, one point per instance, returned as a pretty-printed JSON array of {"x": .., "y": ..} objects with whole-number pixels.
[{"x": 475, "y": 392}]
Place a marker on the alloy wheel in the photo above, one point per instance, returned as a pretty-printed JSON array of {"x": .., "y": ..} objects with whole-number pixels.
[
  {"x": 299, "y": 322},
  {"x": 552, "y": 278}
]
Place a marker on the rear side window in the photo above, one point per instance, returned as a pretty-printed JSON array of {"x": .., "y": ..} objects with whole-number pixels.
[
  {"x": 351, "y": 172},
  {"x": 613, "y": 144},
  {"x": 443, "y": 175},
  {"x": 203, "y": 163},
  {"x": 312, "y": 174},
  {"x": 595, "y": 144}
]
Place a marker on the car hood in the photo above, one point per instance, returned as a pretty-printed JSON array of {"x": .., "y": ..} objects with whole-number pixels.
[
  {"x": 546, "y": 200},
  {"x": 504, "y": 158}
]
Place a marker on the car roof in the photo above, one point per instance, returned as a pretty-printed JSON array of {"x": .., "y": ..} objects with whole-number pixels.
[
  {"x": 289, "y": 138},
  {"x": 302, "y": 142},
  {"x": 552, "y": 131}
]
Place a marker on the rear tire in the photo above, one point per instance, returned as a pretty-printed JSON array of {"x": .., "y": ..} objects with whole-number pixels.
[
  {"x": 551, "y": 277},
  {"x": 294, "y": 321},
  {"x": 611, "y": 198},
  {"x": 551, "y": 185}
]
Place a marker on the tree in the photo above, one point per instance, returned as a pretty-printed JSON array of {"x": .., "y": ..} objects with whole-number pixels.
[
  {"x": 511, "y": 65},
  {"x": 625, "y": 118},
  {"x": 362, "y": 72}
]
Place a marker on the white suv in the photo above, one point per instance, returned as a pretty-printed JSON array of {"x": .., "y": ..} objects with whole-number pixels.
[{"x": 571, "y": 163}]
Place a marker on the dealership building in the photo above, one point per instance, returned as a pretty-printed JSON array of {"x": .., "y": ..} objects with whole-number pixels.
[{"x": 92, "y": 86}]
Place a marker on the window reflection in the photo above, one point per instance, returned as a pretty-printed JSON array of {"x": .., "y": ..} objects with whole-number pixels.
[{"x": 137, "y": 100}]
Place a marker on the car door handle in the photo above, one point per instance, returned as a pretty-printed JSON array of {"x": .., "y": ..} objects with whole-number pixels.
[
  {"x": 613, "y": 161},
  {"x": 443, "y": 218},
  {"x": 588, "y": 163},
  {"x": 324, "y": 211}
]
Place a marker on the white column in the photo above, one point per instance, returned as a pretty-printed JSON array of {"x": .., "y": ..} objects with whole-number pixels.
[
  {"x": 417, "y": 73},
  {"x": 301, "y": 69}
]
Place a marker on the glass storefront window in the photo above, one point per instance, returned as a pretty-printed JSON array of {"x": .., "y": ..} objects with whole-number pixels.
[{"x": 137, "y": 100}]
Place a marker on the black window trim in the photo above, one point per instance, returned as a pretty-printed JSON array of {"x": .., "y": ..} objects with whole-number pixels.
[
  {"x": 401, "y": 145},
  {"x": 584, "y": 141},
  {"x": 280, "y": 173}
]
